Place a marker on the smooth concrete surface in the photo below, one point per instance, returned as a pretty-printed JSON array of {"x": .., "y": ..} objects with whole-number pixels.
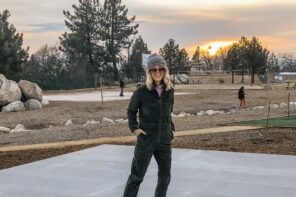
[
  {"x": 103, "y": 170},
  {"x": 93, "y": 96}
]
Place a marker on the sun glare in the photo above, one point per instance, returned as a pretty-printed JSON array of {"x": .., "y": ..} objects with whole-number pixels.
[{"x": 213, "y": 47}]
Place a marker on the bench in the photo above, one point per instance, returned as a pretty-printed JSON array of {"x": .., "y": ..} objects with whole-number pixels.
[{"x": 291, "y": 85}]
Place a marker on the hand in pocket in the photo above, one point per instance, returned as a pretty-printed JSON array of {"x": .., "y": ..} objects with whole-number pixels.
[{"x": 139, "y": 132}]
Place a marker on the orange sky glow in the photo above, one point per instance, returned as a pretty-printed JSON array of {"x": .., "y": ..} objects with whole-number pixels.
[{"x": 209, "y": 24}]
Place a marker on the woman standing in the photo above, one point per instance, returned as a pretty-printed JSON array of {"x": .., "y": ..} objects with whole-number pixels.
[{"x": 154, "y": 131}]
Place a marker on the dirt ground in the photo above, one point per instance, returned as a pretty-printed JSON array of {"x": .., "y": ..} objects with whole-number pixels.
[
  {"x": 48, "y": 124},
  {"x": 272, "y": 141}
]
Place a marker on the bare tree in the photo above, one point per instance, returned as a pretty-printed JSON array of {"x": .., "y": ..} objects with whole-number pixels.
[{"x": 288, "y": 62}]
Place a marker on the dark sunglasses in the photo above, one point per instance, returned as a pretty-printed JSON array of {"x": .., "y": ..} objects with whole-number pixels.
[{"x": 154, "y": 70}]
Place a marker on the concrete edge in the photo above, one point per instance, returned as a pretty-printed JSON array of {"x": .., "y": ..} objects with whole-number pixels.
[{"x": 122, "y": 139}]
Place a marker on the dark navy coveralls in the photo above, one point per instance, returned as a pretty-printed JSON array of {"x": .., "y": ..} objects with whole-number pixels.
[{"x": 154, "y": 119}]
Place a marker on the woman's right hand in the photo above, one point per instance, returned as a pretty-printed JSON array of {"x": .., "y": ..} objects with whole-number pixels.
[{"x": 138, "y": 132}]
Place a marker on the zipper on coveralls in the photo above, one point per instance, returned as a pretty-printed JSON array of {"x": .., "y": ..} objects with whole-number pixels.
[{"x": 159, "y": 121}]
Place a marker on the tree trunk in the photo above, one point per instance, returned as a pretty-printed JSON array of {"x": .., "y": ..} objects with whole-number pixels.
[
  {"x": 232, "y": 80},
  {"x": 115, "y": 70},
  {"x": 252, "y": 76}
]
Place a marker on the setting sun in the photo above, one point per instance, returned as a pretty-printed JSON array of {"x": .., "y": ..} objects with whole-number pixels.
[{"x": 213, "y": 47}]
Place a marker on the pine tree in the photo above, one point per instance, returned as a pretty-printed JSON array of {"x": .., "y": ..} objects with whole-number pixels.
[
  {"x": 232, "y": 59},
  {"x": 247, "y": 54},
  {"x": 273, "y": 63},
  {"x": 134, "y": 69},
  {"x": 196, "y": 55},
  {"x": 288, "y": 62},
  {"x": 256, "y": 57},
  {"x": 182, "y": 61},
  {"x": 12, "y": 55},
  {"x": 170, "y": 53},
  {"x": 117, "y": 28},
  {"x": 84, "y": 41}
]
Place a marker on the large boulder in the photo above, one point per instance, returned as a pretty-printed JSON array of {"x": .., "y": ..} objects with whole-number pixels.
[
  {"x": 33, "y": 104},
  {"x": 14, "y": 107},
  {"x": 9, "y": 91},
  {"x": 30, "y": 90},
  {"x": 2, "y": 78}
]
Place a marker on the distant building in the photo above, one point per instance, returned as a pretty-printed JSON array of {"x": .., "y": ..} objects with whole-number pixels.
[
  {"x": 198, "y": 66},
  {"x": 286, "y": 76}
]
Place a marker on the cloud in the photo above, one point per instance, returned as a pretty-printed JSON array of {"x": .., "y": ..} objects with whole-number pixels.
[
  {"x": 189, "y": 22},
  {"x": 202, "y": 25},
  {"x": 191, "y": 3},
  {"x": 44, "y": 27},
  {"x": 27, "y": 15}
]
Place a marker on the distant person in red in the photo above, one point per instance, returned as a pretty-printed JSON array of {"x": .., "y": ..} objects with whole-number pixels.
[{"x": 241, "y": 96}]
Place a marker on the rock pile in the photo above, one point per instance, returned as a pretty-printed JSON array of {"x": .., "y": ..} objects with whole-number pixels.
[
  {"x": 107, "y": 121},
  {"x": 21, "y": 96}
]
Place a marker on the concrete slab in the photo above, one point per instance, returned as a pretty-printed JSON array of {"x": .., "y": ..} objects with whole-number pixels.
[
  {"x": 93, "y": 96},
  {"x": 103, "y": 170},
  {"x": 217, "y": 87}
]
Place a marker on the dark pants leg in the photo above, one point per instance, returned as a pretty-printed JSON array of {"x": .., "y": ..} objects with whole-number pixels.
[
  {"x": 121, "y": 92},
  {"x": 163, "y": 157},
  {"x": 139, "y": 167}
]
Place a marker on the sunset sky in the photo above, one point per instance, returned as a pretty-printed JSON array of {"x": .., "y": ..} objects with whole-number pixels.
[{"x": 189, "y": 22}]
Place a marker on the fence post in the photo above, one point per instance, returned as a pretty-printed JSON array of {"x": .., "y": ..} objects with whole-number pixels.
[
  {"x": 96, "y": 80},
  {"x": 101, "y": 89},
  {"x": 289, "y": 105},
  {"x": 266, "y": 126}
]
